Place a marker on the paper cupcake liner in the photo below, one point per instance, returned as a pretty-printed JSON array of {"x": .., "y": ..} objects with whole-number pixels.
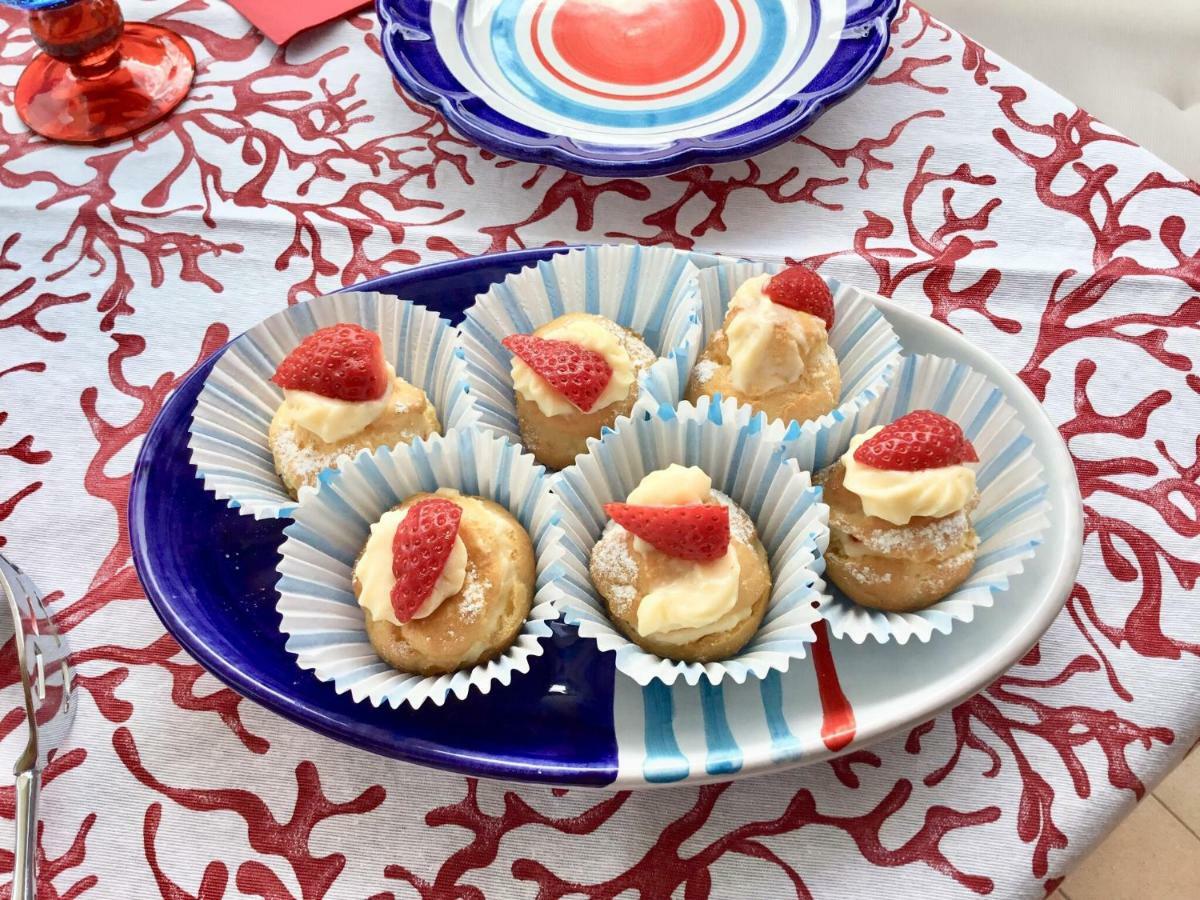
[
  {"x": 651, "y": 291},
  {"x": 1012, "y": 513},
  {"x": 867, "y": 349},
  {"x": 322, "y": 619},
  {"x": 743, "y": 456},
  {"x": 228, "y": 437}
]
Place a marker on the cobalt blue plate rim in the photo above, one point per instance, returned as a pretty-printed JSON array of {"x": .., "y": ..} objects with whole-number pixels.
[
  {"x": 166, "y": 578},
  {"x": 409, "y": 50}
]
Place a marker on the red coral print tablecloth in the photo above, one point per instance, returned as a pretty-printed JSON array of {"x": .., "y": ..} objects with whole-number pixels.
[{"x": 953, "y": 182}]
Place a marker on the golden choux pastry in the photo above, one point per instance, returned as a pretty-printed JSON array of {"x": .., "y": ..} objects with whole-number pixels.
[
  {"x": 681, "y": 569},
  {"x": 772, "y": 351},
  {"x": 571, "y": 378},
  {"x": 340, "y": 396},
  {"x": 901, "y": 538},
  {"x": 433, "y": 616}
]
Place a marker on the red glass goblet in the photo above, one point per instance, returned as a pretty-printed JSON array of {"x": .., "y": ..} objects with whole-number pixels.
[{"x": 99, "y": 78}]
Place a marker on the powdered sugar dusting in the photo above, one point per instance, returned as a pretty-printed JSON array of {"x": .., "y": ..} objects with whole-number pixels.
[
  {"x": 957, "y": 559},
  {"x": 305, "y": 463},
  {"x": 474, "y": 594},
  {"x": 639, "y": 354},
  {"x": 613, "y": 564},
  {"x": 865, "y": 574},
  {"x": 705, "y": 370},
  {"x": 939, "y": 536}
]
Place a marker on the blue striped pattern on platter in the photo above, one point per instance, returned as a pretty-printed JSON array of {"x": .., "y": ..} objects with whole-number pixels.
[
  {"x": 228, "y": 434},
  {"x": 321, "y": 616},
  {"x": 866, "y": 347},
  {"x": 671, "y": 733},
  {"x": 651, "y": 291},
  {"x": 743, "y": 455},
  {"x": 1013, "y": 510}
]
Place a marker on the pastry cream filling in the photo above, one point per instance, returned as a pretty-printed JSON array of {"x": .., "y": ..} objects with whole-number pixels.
[
  {"x": 675, "y": 485},
  {"x": 689, "y": 599},
  {"x": 767, "y": 342},
  {"x": 374, "y": 572},
  {"x": 331, "y": 419},
  {"x": 897, "y": 497},
  {"x": 693, "y": 599},
  {"x": 593, "y": 336}
]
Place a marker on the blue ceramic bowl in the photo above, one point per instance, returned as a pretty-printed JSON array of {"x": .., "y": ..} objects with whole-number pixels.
[{"x": 632, "y": 87}]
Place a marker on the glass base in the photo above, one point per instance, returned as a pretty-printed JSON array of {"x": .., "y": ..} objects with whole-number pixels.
[{"x": 152, "y": 73}]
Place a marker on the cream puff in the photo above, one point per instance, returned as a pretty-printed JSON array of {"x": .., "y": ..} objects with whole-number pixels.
[
  {"x": 341, "y": 396},
  {"x": 772, "y": 351},
  {"x": 681, "y": 569},
  {"x": 571, "y": 378},
  {"x": 445, "y": 581},
  {"x": 900, "y": 503}
]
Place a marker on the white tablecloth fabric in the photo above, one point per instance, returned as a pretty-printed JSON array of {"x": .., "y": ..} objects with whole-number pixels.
[{"x": 952, "y": 182}]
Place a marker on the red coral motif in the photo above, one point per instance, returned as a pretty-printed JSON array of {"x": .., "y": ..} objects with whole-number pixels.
[
  {"x": 113, "y": 439},
  {"x": 865, "y": 149},
  {"x": 706, "y": 183},
  {"x": 906, "y": 74},
  {"x": 51, "y": 869},
  {"x": 664, "y": 869},
  {"x": 212, "y": 883},
  {"x": 27, "y": 316},
  {"x": 935, "y": 254},
  {"x": 225, "y": 702},
  {"x": 843, "y": 766},
  {"x": 267, "y": 835},
  {"x": 567, "y": 189}
]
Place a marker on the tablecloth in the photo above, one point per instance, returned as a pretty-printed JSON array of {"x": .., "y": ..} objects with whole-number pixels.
[{"x": 952, "y": 182}]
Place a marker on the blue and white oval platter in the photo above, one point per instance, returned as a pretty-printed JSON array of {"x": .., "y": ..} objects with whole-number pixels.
[{"x": 210, "y": 575}]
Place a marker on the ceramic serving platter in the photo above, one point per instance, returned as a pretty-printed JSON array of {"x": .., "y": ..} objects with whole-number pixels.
[
  {"x": 632, "y": 87},
  {"x": 211, "y": 574}
]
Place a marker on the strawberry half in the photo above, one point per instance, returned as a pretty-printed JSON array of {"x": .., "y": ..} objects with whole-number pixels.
[
  {"x": 919, "y": 440},
  {"x": 699, "y": 533},
  {"x": 800, "y": 288},
  {"x": 343, "y": 362},
  {"x": 579, "y": 374},
  {"x": 419, "y": 552}
]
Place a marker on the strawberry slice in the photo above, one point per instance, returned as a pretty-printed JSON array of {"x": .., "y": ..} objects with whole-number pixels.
[
  {"x": 800, "y": 288},
  {"x": 419, "y": 552},
  {"x": 343, "y": 362},
  {"x": 579, "y": 374},
  {"x": 699, "y": 532},
  {"x": 921, "y": 439}
]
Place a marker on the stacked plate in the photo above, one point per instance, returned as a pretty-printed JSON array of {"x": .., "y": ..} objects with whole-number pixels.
[{"x": 632, "y": 87}]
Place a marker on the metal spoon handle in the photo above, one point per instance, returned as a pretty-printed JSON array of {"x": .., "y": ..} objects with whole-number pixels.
[{"x": 24, "y": 886}]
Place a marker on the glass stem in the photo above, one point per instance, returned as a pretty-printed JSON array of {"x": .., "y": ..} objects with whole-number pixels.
[{"x": 84, "y": 34}]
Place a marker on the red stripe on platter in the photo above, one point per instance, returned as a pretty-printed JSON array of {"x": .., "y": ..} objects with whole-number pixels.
[
  {"x": 837, "y": 716},
  {"x": 587, "y": 46}
]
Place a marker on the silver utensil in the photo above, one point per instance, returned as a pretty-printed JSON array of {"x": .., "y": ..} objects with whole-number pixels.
[{"x": 43, "y": 659}]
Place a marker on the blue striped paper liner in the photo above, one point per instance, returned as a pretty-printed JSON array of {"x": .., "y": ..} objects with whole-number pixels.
[
  {"x": 1013, "y": 510},
  {"x": 867, "y": 349},
  {"x": 743, "y": 455},
  {"x": 322, "y": 619},
  {"x": 649, "y": 290},
  {"x": 228, "y": 435}
]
